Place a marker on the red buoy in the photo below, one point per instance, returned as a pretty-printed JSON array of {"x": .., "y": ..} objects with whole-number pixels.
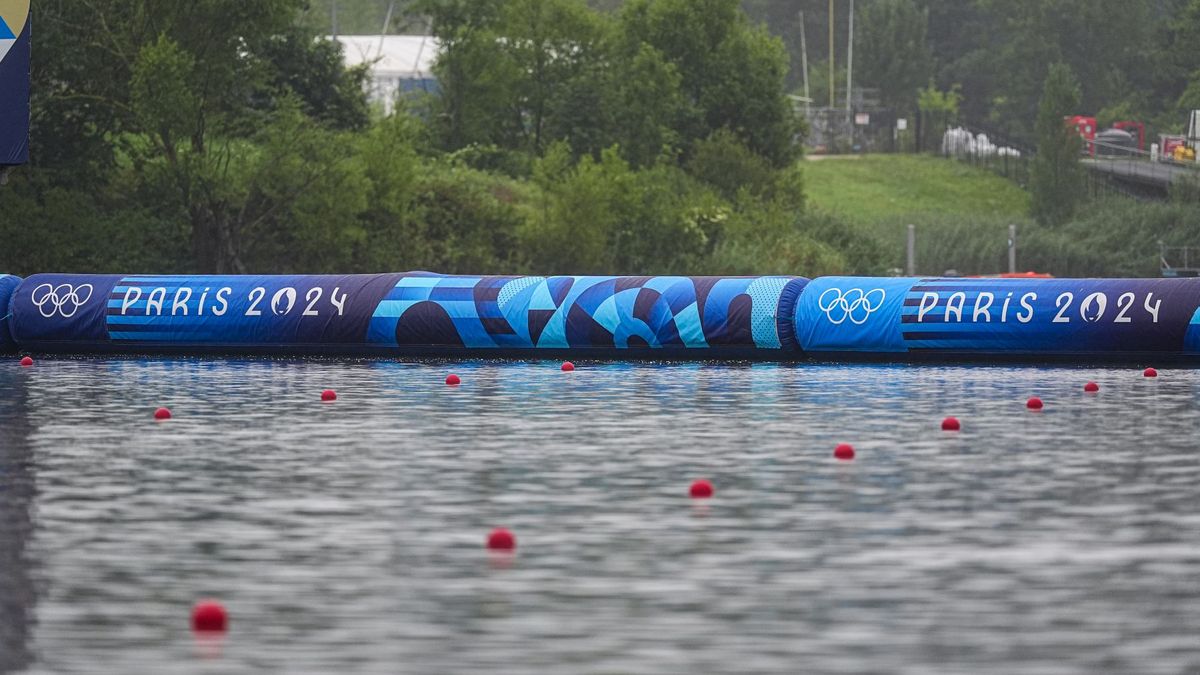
[
  {"x": 701, "y": 488},
  {"x": 567, "y": 366},
  {"x": 162, "y": 414},
  {"x": 1091, "y": 387},
  {"x": 501, "y": 539},
  {"x": 453, "y": 380},
  {"x": 329, "y": 395},
  {"x": 1150, "y": 372},
  {"x": 26, "y": 362},
  {"x": 209, "y": 616},
  {"x": 951, "y": 424},
  {"x": 1034, "y": 403},
  {"x": 844, "y": 451}
]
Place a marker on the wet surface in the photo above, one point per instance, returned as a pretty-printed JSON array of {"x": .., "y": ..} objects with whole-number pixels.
[{"x": 348, "y": 536}]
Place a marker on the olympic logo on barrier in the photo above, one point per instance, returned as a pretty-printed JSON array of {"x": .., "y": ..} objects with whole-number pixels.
[
  {"x": 855, "y": 304},
  {"x": 56, "y": 299}
]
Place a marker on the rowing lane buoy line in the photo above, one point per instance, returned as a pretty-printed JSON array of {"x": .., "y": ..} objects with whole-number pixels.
[{"x": 780, "y": 318}]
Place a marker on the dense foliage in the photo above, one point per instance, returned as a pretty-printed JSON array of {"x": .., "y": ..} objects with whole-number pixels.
[
  {"x": 1056, "y": 180},
  {"x": 624, "y": 136},
  {"x": 226, "y": 136}
]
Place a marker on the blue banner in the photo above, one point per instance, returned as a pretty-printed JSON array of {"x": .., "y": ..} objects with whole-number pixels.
[
  {"x": 1024, "y": 316},
  {"x": 14, "y": 81},
  {"x": 417, "y": 312},
  {"x": 8, "y": 284},
  {"x": 588, "y": 312}
]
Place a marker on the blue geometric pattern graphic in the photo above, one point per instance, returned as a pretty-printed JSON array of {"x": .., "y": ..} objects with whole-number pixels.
[{"x": 598, "y": 312}]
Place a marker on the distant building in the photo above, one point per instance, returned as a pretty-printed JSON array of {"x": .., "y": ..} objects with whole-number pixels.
[{"x": 399, "y": 64}]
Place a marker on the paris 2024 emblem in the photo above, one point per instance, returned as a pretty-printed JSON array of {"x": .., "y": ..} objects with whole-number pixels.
[{"x": 13, "y": 15}]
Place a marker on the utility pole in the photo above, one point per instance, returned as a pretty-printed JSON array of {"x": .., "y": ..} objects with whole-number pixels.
[
  {"x": 850, "y": 58},
  {"x": 804, "y": 64},
  {"x": 912, "y": 250},
  {"x": 387, "y": 24},
  {"x": 333, "y": 11},
  {"x": 832, "y": 84},
  {"x": 1012, "y": 249}
]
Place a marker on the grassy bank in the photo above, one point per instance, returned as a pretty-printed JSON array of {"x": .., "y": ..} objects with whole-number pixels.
[
  {"x": 962, "y": 215},
  {"x": 874, "y": 189},
  {"x": 961, "y": 212}
]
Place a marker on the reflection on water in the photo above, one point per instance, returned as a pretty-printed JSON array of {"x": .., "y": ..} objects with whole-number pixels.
[
  {"x": 349, "y": 536},
  {"x": 17, "y": 492}
]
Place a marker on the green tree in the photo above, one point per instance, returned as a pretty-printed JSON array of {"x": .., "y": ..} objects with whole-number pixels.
[
  {"x": 313, "y": 70},
  {"x": 181, "y": 90},
  {"x": 732, "y": 75},
  {"x": 895, "y": 56},
  {"x": 1056, "y": 178},
  {"x": 507, "y": 67}
]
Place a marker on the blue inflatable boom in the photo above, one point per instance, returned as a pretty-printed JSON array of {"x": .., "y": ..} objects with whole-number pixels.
[{"x": 669, "y": 317}]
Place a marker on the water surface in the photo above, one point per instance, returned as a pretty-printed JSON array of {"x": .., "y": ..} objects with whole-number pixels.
[{"x": 347, "y": 537}]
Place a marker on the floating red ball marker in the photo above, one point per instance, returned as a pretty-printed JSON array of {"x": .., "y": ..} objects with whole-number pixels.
[
  {"x": 1034, "y": 403},
  {"x": 1091, "y": 387},
  {"x": 567, "y": 366},
  {"x": 453, "y": 380},
  {"x": 26, "y": 362},
  {"x": 501, "y": 539},
  {"x": 209, "y": 616},
  {"x": 951, "y": 424},
  {"x": 844, "y": 451},
  {"x": 701, "y": 489},
  {"x": 1150, "y": 372},
  {"x": 329, "y": 395},
  {"x": 162, "y": 414}
]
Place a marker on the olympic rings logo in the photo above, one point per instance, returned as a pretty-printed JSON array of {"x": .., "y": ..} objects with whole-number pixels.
[
  {"x": 63, "y": 300},
  {"x": 855, "y": 304}
]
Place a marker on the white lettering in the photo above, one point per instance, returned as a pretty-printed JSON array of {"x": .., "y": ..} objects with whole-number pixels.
[
  {"x": 128, "y": 301},
  {"x": 922, "y": 309},
  {"x": 312, "y": 296},
  {"x": 256, "y": 296},
  {"x": 177, "y": 303},
  {"x": 1153, "y": 310},
  {"x": 1124, "y": 303},
  {"x": 334, "y": 300},
  {"x": 951, "y": 308},
  {"x": 223, "y": 298},
  {"x": 982, "y": 308},
  {"x": 1025, "y": 300},
  {"x": 161, "y": 294},
  {"x": 1063, "y": 303}
]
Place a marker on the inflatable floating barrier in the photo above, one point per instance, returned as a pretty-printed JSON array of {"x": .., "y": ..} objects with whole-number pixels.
[
  {"x": 8, "y": 284},
  {"x": 760, "y": 318}
]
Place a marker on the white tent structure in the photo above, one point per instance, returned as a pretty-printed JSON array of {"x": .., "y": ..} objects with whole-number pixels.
[{"x": 398, "y": 63}]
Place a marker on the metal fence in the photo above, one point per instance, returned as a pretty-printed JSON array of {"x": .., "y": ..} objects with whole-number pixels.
[{"x": 836, "y": 131}]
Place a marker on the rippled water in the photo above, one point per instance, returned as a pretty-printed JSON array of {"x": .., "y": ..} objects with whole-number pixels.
[{"x": 347, "y": 537}]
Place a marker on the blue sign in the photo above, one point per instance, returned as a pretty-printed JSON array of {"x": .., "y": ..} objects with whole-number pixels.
[
  {"x": 1034, "y": 316},
  {"x": 14, "y": 81}
]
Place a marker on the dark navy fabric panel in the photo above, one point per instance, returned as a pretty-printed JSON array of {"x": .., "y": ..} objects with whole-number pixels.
[
  {"x": 245, "y": 310},
  {"x": 407, "y": 313},
  {"x": 1032, "y": 316},
  {"x": 14, "y": 92},
  {"x": 785, "y": 317},
  {"x": 8, "y": 284},
  {"x": 219, "y": 311},
  {"x": 55, "y": 308}
]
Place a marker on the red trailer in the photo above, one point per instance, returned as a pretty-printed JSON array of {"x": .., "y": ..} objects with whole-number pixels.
[
  {"x": 1086, "y": 126},
  {"x": 1137, "y": 129}
]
